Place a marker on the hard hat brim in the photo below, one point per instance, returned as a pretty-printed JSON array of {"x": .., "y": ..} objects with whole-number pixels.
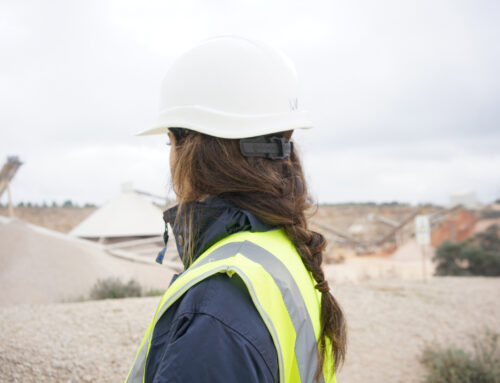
[{"x": 227, "y": 125}]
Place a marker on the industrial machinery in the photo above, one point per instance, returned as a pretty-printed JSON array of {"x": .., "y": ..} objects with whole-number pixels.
[{"x": 8, "y": 172}]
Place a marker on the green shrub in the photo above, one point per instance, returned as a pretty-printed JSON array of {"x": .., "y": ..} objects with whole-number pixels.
[
  {"x": 478, "y": 256},
  {"x": 153, "y": 293},
  {"x": 450, "y": 259},
  {"x": 482, "y": 263},
  {"x": 112, "y": 288},
  {"x": 488, "y": 240},
  {"x": 453, "y": 365},
  {"x": 488, "y": 214}
]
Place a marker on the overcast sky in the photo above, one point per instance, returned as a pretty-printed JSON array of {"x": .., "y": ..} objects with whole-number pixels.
[{"x": 405, "y": 95}]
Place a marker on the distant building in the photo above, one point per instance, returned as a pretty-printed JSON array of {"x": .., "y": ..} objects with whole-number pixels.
[{"x": 466, "y": 199}]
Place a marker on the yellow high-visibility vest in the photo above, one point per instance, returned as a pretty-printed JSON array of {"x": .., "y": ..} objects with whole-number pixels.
[{"x": 282, "y": 290}]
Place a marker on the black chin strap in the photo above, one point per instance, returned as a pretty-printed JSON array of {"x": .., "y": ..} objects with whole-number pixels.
[{"x": 274, "y": 148}]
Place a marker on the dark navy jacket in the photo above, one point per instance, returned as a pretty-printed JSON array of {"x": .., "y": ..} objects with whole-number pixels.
[{"x": 213, "y": 333}]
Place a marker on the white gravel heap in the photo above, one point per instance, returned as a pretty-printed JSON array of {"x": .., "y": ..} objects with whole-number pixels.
[{"x": 43, "y": 266}]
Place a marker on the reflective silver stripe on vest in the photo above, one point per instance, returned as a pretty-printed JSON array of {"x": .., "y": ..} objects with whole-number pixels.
[
  {"x": 137, "y": 371},
  {"x": 306, "y": 348}
]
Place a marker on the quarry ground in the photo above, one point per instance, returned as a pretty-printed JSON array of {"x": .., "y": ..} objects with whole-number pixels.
[{"x": 389, "y": 322}]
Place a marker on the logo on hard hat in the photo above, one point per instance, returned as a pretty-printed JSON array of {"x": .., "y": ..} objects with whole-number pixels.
[{"x": 294, "y": 103}]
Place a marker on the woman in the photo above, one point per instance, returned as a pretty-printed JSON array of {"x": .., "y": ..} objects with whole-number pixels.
[{"x": 253, "y": 304}]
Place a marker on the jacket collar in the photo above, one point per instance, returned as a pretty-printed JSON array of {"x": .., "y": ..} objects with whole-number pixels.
[{"x": 213, "y": 219}]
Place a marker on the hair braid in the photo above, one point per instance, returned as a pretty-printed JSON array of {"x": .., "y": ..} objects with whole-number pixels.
[{"x": 310, "y": 246}]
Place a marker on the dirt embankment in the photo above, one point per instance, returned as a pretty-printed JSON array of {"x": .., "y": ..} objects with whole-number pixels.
[{"x": 389, "y": 322}]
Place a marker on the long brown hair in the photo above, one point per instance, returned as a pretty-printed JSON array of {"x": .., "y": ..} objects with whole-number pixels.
[{"x": 273, "y": 190}]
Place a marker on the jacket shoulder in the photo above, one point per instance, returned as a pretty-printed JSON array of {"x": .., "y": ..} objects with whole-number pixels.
[{"x": 215, "y": 317}]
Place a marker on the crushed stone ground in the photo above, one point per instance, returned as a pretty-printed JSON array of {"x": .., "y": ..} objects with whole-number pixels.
[{"x": 389, "y": 323}]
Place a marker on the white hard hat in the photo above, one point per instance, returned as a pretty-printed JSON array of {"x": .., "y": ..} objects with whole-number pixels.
[{"x": 231, "y": 87}]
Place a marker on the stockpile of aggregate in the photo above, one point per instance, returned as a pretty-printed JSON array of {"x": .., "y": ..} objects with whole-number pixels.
[{"x": 42, "y": 266}]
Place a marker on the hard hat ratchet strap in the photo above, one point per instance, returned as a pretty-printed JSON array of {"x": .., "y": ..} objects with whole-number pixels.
[{"x": 274, "y": 148}]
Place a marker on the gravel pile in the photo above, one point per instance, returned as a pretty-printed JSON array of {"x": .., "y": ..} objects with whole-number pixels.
[
  {"x": 389, "y": 322},
  {"x": 42, "y": 266}
]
